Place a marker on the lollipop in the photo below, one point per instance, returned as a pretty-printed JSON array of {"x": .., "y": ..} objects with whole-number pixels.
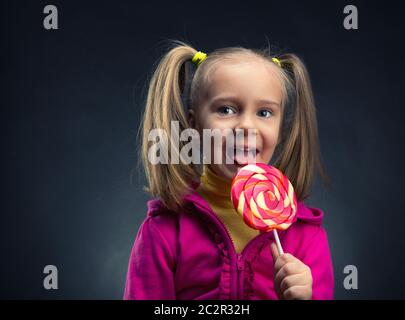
[{"x": 265, "y": 198}]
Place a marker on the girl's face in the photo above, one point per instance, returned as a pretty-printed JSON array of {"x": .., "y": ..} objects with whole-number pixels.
[{"x": 242, "y": 95}]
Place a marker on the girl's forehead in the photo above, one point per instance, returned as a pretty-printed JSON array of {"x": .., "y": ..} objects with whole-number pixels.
[{"x": 244, "y": 78}]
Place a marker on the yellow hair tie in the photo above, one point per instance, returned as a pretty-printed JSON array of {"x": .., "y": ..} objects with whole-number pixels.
[
  {"x": 276, "y": 61},
  {"x": 199, "y": 57}
]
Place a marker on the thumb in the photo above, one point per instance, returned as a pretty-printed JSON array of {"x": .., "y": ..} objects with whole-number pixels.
[{"x": 274, "y": 251}]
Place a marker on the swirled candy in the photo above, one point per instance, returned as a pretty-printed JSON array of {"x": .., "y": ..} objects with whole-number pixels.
[{"x": 264, "y": 197}]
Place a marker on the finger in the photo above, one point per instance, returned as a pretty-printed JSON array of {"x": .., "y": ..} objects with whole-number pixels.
[
  {"x": 293, "y": 280},
  {"x": 297, "y": 292},
  {"x": 288, "y": 269},
  {"x": 274, "y": 252},
  {"x": 282, "y": 260}
]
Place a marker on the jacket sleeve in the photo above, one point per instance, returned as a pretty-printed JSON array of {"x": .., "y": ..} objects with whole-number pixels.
[
  {"x": 317, "y": 257},
  {"x": 151, "y": 266}
]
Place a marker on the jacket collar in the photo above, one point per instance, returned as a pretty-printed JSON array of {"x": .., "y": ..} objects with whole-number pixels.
[{"x": 304, "y": 213}]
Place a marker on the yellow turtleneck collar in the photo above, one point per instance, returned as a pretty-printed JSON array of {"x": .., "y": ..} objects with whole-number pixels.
[
  {"x": 217, "y": 192},
  {"x": 216, "y": 187}
]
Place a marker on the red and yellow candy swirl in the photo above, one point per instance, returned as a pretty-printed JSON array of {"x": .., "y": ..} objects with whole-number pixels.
[{"x": 264, "y": 197}]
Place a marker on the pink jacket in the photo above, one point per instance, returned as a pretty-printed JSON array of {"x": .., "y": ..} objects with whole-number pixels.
[{"x": 189, "y": 255}]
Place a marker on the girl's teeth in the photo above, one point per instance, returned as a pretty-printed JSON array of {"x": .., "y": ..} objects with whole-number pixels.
[{"x": 245, "y": 156}]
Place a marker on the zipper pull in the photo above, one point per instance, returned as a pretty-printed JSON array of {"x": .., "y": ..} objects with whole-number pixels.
[{"x": 240, "y": 262}]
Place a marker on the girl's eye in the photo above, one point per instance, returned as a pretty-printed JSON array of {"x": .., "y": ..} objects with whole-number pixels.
[
  {"x": 265, "y": 113},
  {"x": 226, "y": 110}
]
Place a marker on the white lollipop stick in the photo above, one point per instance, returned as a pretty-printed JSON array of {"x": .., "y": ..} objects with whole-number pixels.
[{"x": 278, "y": 243}]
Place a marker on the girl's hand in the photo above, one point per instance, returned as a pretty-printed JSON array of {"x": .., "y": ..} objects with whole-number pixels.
[{"x": 293, "y": 278}]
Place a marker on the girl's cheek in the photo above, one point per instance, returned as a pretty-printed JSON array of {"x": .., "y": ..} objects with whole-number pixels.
[
  {"x": 218, "y": 124},
  {"x": 269, "y": 145}
]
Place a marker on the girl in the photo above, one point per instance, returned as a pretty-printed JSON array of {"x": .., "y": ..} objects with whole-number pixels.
[{"x": 192, "y": 243}]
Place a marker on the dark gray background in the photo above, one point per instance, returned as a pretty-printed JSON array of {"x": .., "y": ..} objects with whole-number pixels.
[{"x": 71, "y": 101}]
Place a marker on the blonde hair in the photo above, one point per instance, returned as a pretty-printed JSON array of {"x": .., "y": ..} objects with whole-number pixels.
[{"x": 297, "y": 154}]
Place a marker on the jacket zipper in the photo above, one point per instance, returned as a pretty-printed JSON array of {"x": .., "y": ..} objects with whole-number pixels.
[
  {"x": 239, "y": 261},
  {"x": 239, "y": 265},
  {"x": 239, "y": 256},
  {"x": 240, "y": 273}
]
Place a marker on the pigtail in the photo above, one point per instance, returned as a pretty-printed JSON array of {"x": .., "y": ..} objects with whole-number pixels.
[
  {"x": 165, "y": 104},
  {"x": 300, "y": 156}
]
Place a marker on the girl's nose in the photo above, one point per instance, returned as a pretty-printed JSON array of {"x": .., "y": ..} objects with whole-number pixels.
[{"x": 246, "y": 122}]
